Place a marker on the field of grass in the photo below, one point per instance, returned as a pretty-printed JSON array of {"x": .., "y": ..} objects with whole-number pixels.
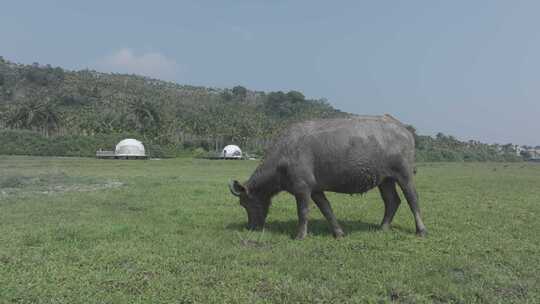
[{"x": 168, "y": 231}]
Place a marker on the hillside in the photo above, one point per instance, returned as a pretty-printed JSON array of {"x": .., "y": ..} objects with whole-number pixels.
[
  {"x": 47, "y": 110},
  {"x": 55, "y": 101}
]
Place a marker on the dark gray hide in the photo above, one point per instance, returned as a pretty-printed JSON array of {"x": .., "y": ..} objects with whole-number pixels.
[{"x": 349, "y": 155}]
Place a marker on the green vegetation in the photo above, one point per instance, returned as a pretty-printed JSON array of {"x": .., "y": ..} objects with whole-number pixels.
[
  {"x": 88, "y": 231},
  {"x": 54, "y": 102},
  {"x": 25, "y": 142},
  {"x": 74, "y": 113},
  {"x": 448, "y": 148}
]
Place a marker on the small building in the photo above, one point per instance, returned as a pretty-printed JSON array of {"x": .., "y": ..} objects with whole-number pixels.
[
  {"x": 128, "y": 148},
  {"x": 518, "y": 149},
  {"x": 535, "y": 154},
  {"x": 231, "y": 152}
]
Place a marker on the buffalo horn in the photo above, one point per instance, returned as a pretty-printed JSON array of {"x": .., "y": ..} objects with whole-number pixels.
[{"x": 233, "y": 191}]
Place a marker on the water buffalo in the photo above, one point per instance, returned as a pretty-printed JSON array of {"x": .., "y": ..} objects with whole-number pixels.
[{"x": 346, "y": 155}]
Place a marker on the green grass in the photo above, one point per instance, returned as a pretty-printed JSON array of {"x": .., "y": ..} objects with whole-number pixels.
[{"x": 76, "y": 230}]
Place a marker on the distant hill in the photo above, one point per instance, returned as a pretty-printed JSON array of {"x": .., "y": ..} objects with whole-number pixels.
[
  {"x": 55, "y": 101},
  {"x": 47, "y": 110}
]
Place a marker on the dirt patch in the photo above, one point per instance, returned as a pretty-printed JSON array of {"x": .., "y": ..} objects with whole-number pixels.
[
  {"x": 399, "y": 295},
  {"x": 5, "y": 260},
  {"x": 512, "y": 292},
  {"x": 458, "y": 274},
  {"x": 52, "y": 183},
  {"x": 83, "y": 188},
  {"x": 11, "y": 182},
  {"x": 136, "y": 209},
  {"x": 264, "y": 289}
]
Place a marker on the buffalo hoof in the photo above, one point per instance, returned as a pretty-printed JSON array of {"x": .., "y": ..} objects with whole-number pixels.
[
  {"x": 338, "y": 234},
  {"x": 300, "y": 236},
  {"x": 421, "y": 233},
  {"x": 385, "y": 227}
]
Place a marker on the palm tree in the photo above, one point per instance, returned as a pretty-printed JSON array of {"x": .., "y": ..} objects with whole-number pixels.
[
  {"x": 146, "y": 115},
  {"x": 34, "y": 114}
]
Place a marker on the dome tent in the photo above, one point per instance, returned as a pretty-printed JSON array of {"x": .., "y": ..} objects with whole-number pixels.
[
  {"x": 231, "y": 151},
  {"x": 130, "y": 148}
]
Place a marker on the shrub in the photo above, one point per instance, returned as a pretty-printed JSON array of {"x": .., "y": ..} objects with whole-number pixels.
[{"x": 199, "y": 152}]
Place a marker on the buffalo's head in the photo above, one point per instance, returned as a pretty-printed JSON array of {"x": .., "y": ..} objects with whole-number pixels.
[{"x": 256, "y": 205}]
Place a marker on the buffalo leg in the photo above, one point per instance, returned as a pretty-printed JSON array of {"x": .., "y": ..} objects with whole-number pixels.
[
  {"x": 302, "y": 203},
  {"x": 409, "y": 189},
  {"x": 391, "y": 202},
  {"x": 324, "y": 205}
]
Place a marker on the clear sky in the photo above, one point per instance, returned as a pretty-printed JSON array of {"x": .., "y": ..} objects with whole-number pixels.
[{"x": 465, "y": 68}]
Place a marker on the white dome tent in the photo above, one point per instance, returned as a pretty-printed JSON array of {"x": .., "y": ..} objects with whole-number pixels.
[
  {"x": 130, "y": 148},
  {"x": 232, "y": 152}
]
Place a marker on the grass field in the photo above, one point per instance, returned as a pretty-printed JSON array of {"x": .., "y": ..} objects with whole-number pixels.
[{"x": 168, "y": 231}]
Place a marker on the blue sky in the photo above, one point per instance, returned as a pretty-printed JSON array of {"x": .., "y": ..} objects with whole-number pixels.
[{"x": 466, "y": 68}]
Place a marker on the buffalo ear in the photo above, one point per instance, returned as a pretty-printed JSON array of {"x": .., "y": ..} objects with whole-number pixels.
[{"x": 236, "y": 188}]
